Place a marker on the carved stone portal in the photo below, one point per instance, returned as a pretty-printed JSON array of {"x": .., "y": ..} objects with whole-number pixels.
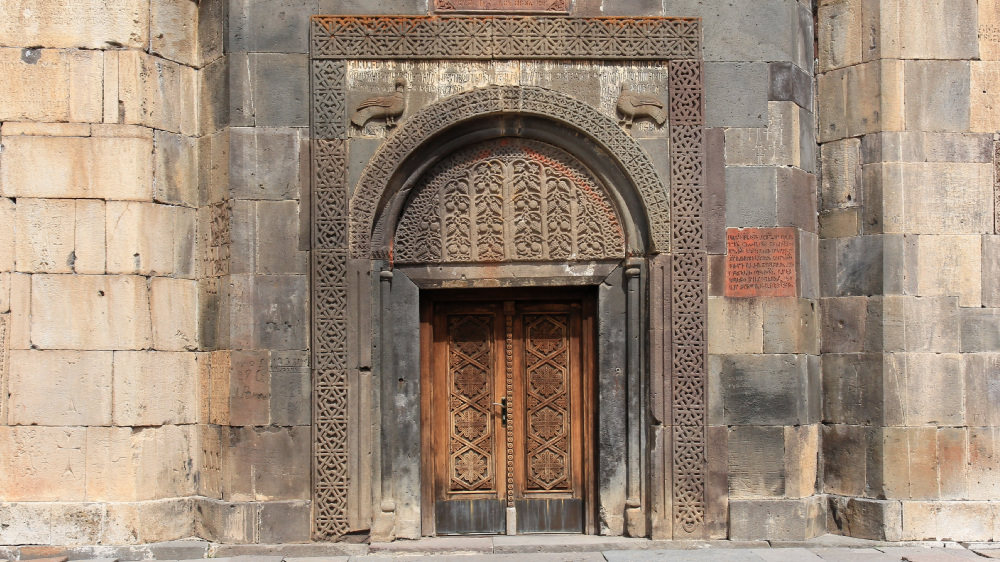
[{"x": 508, "y": 200}]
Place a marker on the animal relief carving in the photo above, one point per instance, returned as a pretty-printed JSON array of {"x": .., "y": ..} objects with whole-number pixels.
[
  {"x": 388, "y": 107},
  {"x": 633, "y": 105}
]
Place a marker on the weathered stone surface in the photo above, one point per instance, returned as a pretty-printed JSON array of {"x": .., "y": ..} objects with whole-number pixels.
[
  {"x": 864, "y": 518},
  {"x": 48, "y": 84},
  {"x": 991, "y": 271},
  {"x": 46, "y": 232},
  {"x": 267, "y": 464},
  {"x": 796, "y": 199},
  {"x": 154, "y": 388},
  {"x": 26, "y": 522},
  {"x": 146, "y": 522},
  {"x": 946, "y": 266},
  {"x": 928, "y": 29},
  {"x": 290, "y": 388},
  {"x": 277, "y": 243},
  {"x": 944, "y": 520},
  {"x": 93, "y": 24},
  {"x": 60, "y": 388},
  {"x": 908, "y": 376},
  {"x": 128, "y": 464},
  {"x": 174, "y": 310},
  {"x": 5, "y": 297},
  {"x": 735, "y": 326},
  {"x": 839, "y": 223},
  {"x": 19, "y": 319},
  {"x": 937, "y": 95},
  {"x": 751, "y": 199},
  {"x": 736, "y": 94},
  {"x": 982, "y": 388},
  {"x": 846, "y": 452},
  {"x": 790, "y": 83},
  {"x": 253, "y": 154},
  {"x": 285, "y": 522},
  {"x": 775, "y": 145},
  {"x": 8, "y": 214},
  {"x": 173, "y": 30},
  {"x": 42, "y": 463},
  {"x": 765, "y": 389},
  {"x": 150, "y": 239},
  {"x": 911, "y": 470},
  {"x": 280, "y": 87},
  {"x": 155, "y": 92},
  {"x": 852, "y": 388},
  {"x": 861, "y": 99},
  {"x": 106, "y": 167},
  {"x": 928, "y": 324},
  {"x": 920, "y": 146},
  {"x": 249, "y": 396},
  {"x": 851, "y": 266},
  {"x": 89, "y": 312},
  {"x": 839, "y": 34},
  {"x": 219, "y": 387},
  {"x": 281, "y": 308},
  {"x": 980, "y": 329},
  {"x": 843, "y": 324},
  {"x": 756, "y": 462},
  {"x": 226, "y": 521},
  {"x": 793, "y": 519},
  {"x": 984, "y": 462},
  {"x": 175, "y": 178},
  {"x": 801, "y": 460},
  {"x": 841, "y": 173},
  {"x": 940, "y": 198},
  {"x": 790, "y": 326}
]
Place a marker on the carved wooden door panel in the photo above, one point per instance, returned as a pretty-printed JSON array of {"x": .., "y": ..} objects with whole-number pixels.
[{"x": 508, "y": 416}]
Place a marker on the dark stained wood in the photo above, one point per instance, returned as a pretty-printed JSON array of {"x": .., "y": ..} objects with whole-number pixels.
[{"x": 546, "y": 375}]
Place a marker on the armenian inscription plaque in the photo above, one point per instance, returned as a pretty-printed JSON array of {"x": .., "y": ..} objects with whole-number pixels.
[
  {"x": 547, "y": 6},
  {"x": 760, "y": 262}
]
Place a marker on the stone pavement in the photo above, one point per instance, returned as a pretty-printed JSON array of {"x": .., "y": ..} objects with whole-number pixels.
[{"x": 544, "y": 548}]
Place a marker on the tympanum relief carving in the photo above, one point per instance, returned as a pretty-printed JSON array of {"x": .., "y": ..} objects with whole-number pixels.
[{"x": 508, "y": 200}]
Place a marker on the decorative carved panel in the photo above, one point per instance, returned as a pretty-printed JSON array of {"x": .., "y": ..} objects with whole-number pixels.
[
  {"x": 508, "y": 200},
  {"x": 552, "y": 6},
  {"x": 504, "y": 37},
  {"x": 547, "y": 370},
  {"x": 470, "y": 376}
]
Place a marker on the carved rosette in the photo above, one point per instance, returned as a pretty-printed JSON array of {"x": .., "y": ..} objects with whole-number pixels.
[{"x": 508, "y": 200}]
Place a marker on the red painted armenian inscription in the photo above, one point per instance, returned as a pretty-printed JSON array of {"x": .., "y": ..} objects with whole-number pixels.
[
  {"x": 501, "y": 5},
  {"x": 760, "y": 262}
]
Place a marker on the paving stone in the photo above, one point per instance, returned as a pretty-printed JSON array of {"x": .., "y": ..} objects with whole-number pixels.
[
  {"x": 182, "y": 549},
  {"x": 785, "y": 555},
  {"x": 853, "y": 555}
]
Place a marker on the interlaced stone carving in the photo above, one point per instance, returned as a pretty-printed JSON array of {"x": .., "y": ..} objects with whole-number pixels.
[
  {"x": 504, "y": 37},
  {"x": 688, "y": 296},
  {"x": 438, "y": 117},
  {"x": 508, "y": 200},
  {"x": 546, "y": 359},
  {"x": 328, "y": 105},
  {"x": 471, "y": 444}
]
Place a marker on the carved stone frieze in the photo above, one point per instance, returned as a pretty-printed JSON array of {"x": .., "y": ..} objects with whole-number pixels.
[
  {"x": 549, "y": 6},
  {"x": 505, "y": 37},
  {"x": 508, "y": 200},
  {"x": 506, "y": 99}
]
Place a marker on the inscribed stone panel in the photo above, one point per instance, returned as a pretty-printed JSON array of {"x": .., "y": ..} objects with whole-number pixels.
[
  {"x": 548, "y": 6},
  {"x": 761, "y": 262}
]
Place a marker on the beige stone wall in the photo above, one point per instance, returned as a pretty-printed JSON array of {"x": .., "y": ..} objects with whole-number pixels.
[
  {"x": 104, "y": 408},
  {"x": 908, "y": 228}
]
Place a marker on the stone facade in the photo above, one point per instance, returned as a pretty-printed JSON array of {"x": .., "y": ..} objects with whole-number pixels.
[{"x": 164, "y": 272}]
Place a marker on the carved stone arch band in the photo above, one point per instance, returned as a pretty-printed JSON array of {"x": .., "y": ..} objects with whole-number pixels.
[{"x": 386, "y": 173}]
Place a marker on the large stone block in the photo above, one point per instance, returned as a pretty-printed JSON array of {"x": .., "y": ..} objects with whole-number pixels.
[
  {"x": 91, "y": 24},
  {"x": 285, "y": 522},
  {"x": 116, "y": 165},
  {"x": 176, "y": 176},
  {"x": 130, "y": 464},
  {"x": 280, "y": 89},
  {"x": 26, "y": 522},
  {"x": 8, "y": 238},
  {"x": 60, "y": 387},
  {"x": 921, "y": 146},
  {"x": 789, "y": 519},
  {"x": 250, "y": 385},
  {"x": 48, "y": 84},
  {"x": 290, "y": 388},
  {"x": 735, "y": 326},
  {"x": 42, "y": 463},
  {"x": 839, "y": 223},
  {"x": 984, "y": 463},
  {"x": 89, "y": 312},
  {"x": 155, "y": 93},
  {"x": 914, "y": 324},
  {"x": 226, "y": 522},
  {"x": 927, "y": 29},
  {"x": 851, "y": 266},
  {"x": 911, "y": 470},
  {"x": 155, "y": 387},
  {"x": 980, "y": 329},
  {"x": 790, "y": 326},
  {"x": 843, "y": 324},
  {"x": 46, "y": 231},
  {"x": 277, "y": 244},
  {"x": 266, "y": 163},
  {"x": 219, "y": 389},
  {"x": 839, "y": 34},
  {"x": 846, "y": 453},
  {"x": 941, "y": 520},
  {"x": 861, "y": 99},
  {"x": 945, "y": 266},
  {"x": 907, "y": 400},
  {"x": 174, "y": 30},
  {"x": 765, "y": 389},
  {"x": 751, "y": 197},
  {"x": 149, "y": 521},
  {"x": 150, "y": 239},
  {"x": 214, "y": 94},
  {"x": 776, "y": 145},
  {"x": 802, "y": 455},
  {"x": 736, "y": 94},
  {"x": 852, "y": 388},
  {"x": 756, "y": 462},
  {"x": 982, "y": 389},
  {"x": 796, "y": 199},
  {"x": 991, "y": 270},
  {"x": 263, "y": 464},
  {"x": 174, "y": 310},
  {"x": 280, "y": 310},
  {"x": 937, "y": 94},
  {"x": 864, "y": 518},
  {"x": 841, "y": 173}
]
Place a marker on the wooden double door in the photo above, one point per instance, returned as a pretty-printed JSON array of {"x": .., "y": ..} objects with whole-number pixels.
[{"x": 508, "y": 423}]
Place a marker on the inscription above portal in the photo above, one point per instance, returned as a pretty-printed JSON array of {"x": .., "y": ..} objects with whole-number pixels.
[
  {"x": 760, "y": 262},
  {"x": 547, "y": 6}
]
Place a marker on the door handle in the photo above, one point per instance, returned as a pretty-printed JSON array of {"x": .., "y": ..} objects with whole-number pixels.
[{"x": 503, "y": 410}]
